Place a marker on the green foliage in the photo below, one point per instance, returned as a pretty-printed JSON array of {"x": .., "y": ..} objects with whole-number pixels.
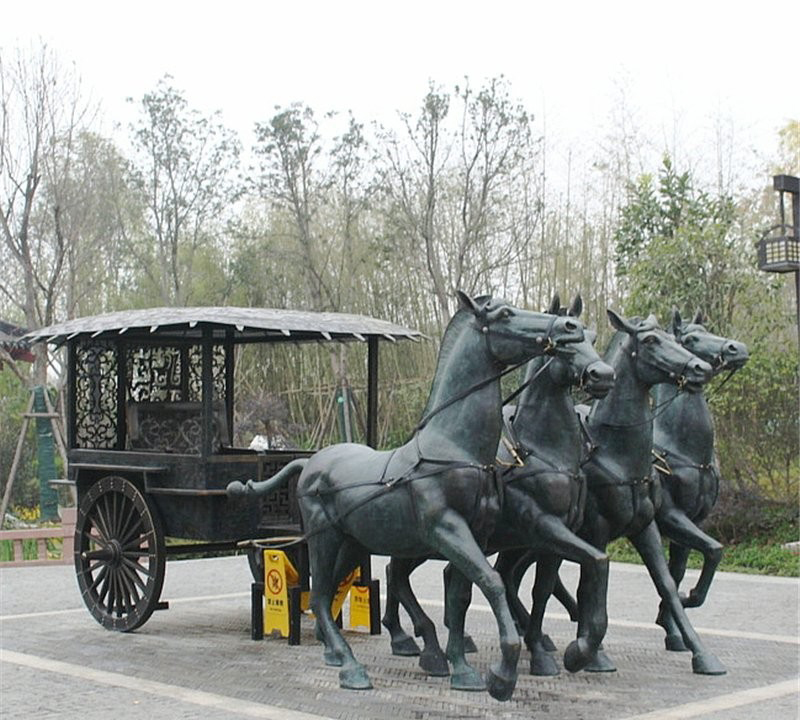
[
  {"x": 679, "y": 246},
  {"x": 757, "y": 424},
  {"x": 14, "y": 398},
  {"x": 675, "y": 246},
  {"x": 753, "y": 556}
]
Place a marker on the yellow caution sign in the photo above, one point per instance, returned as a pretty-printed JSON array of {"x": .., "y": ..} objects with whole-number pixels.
[
  {"x": 280, "y": 575},
  {"x": 276, "y": 596},
  {"x": 359, "y": 607},
  {"x": 341, "y": 592}
]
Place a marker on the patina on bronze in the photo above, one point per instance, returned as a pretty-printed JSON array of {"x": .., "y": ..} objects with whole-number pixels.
[
  {"x": 544, "y": 494},
  {"x": 683, "y": 447},
  {"x": 437, "y": 494}
]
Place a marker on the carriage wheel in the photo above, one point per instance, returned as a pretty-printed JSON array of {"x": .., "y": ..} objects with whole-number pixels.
[{"x": 119, "y": 554}]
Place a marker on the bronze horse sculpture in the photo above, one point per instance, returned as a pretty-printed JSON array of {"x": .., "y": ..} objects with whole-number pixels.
[
  {"x": 684, "y": 459},
  {"x": 624, "y": 493},
  {"x": 683, "y": 445},
  {"x": 544, "y": 494},
  {"x": 435, "y": 495}
]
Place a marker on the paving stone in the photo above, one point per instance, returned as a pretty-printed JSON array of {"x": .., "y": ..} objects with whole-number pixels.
[{"x": 203, "y": 644}]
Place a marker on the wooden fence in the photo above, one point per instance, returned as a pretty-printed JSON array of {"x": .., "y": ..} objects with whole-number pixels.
[{"x": 20, "y": 539}]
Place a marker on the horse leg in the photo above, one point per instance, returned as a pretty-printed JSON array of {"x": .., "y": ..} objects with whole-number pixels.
[
  {"x": 402, "y": 643},
  {"x": 326, "y": 553},
  {"x": 648, "y": 544},
  {"x": 432, "y": 659},
  {"x": 685, "y": 536},
  {"x": 512, "y": 566},
  {"x": 542, "y": 662},
  {"x": 452, "y": 537},
  {"x": 346, "y": 561},
  {"x": 673, "y": 641},
  {"x": 564, "y": 596},
  {"x": 592, "y": 589},
  {"x": 469, "y": 643}
]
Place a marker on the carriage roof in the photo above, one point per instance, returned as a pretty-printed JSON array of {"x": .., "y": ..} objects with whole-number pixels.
[{"x": 240, "y": 323}]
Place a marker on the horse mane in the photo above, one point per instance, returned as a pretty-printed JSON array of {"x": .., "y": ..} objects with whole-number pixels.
[
  {"x": 451, "y": 333},
  {"x": 614, "y": 344}
]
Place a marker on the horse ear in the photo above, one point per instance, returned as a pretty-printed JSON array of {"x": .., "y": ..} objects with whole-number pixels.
[
  {"x": 698, "y": 317},
  {"x": 555, "y": 305},
  {"x": 677, "y": 321},
  {"x": 467, "y": 302},
  {"x": 576, "y": 308},
  {"x": 620, "y": 323}
]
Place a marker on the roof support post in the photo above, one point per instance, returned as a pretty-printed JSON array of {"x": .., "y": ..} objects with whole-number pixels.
[
  {"x": 372, "y": 391},
  {"x": 208, "y": 388}
]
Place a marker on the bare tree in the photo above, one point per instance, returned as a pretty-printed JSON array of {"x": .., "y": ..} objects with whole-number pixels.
[
  {"x": 43, "y": 112},
  {"x": 453, "y": 181},
  {"x": 185, "y": 167}
]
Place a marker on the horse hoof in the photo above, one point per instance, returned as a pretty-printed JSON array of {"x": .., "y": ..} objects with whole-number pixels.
[
  {"x": 674, "y": 643},
  {"x": 469, "y": 644},
  {"x": 543, "y": 664},
  {"x": 468, "y": 680},
  {"x": 500, "y": 688},
  {"x": 707, "y": 664},
  {"x": 601, "y": 663},
  {"x": 235, "y": 489},
  {"x": 547, "y": 644},
  {"x": 577, "y": 655},
  {"x": 407, "y": 647},
  {"x": 434, "y": 663},
  {"x": 354, "y": 678}
]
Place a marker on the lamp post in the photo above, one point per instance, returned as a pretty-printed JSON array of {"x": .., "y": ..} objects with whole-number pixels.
[{"x": 781, "y": 252}]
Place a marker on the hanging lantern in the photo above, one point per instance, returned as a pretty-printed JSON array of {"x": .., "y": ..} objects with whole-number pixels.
[{"x": 779, "y": 249}]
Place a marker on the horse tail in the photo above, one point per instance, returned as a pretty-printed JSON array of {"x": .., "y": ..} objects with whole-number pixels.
[{"x": 265, "y": 487}]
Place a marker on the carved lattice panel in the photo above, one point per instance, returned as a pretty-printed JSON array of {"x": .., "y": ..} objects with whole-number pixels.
[
  {"x": 95, "y": 394},
  {"x": 196, "y": 372},
  {"x": 155, "y": 374},
  {"x": 281, "y": 505}
]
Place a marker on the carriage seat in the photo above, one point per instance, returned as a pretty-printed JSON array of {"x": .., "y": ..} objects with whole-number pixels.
[{"x": 174, "y": 427}]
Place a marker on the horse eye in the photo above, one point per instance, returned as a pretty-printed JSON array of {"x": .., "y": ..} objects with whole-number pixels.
[{"x": 650, "y": 340}]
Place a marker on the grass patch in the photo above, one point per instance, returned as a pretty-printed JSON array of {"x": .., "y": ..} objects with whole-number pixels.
[
  {"x": 752, "y": 556},
  {"x": 30, "y": 551}
]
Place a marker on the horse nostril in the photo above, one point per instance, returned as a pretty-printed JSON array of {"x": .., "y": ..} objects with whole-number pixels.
[{"x": 731, "y": 349}]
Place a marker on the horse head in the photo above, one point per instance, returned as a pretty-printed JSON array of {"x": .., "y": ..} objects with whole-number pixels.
[
  {"x": 721, "y": 353},
  {"x": 658, "y": 357},
  {"x": 578, "y": 363},
  {"x": 514, "y": 335}
]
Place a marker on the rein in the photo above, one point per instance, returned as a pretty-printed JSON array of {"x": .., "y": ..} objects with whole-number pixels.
[{"x": 549, "y": 349}]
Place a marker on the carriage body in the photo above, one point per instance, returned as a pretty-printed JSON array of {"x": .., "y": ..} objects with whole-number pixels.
[{"x": 149, "y": 423}]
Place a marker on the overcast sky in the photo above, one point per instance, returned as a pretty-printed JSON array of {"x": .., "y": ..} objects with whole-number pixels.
[{"x": 680, "y": 65}]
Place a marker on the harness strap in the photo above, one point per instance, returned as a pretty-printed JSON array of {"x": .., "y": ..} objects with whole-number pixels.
[{"x": 667, "y": 469}]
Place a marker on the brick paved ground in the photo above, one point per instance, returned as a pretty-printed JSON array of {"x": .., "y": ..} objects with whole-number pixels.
[{"x": 196, "y": 660}]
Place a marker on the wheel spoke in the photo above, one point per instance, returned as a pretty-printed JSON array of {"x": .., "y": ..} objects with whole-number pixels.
[
  {"x": 121, "y": 594},
  {"x": 101, "y": 525},
  {"x": 132, "y": 570},
  {"x": 100, "y": 577},
  {"x": 136, "y": 553},
  {"x": 126, "y": 590},
  {"x": 133, "y": 535},
  {"x": 126, "y": 527},
  {"x": 102, "y": 592}
]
